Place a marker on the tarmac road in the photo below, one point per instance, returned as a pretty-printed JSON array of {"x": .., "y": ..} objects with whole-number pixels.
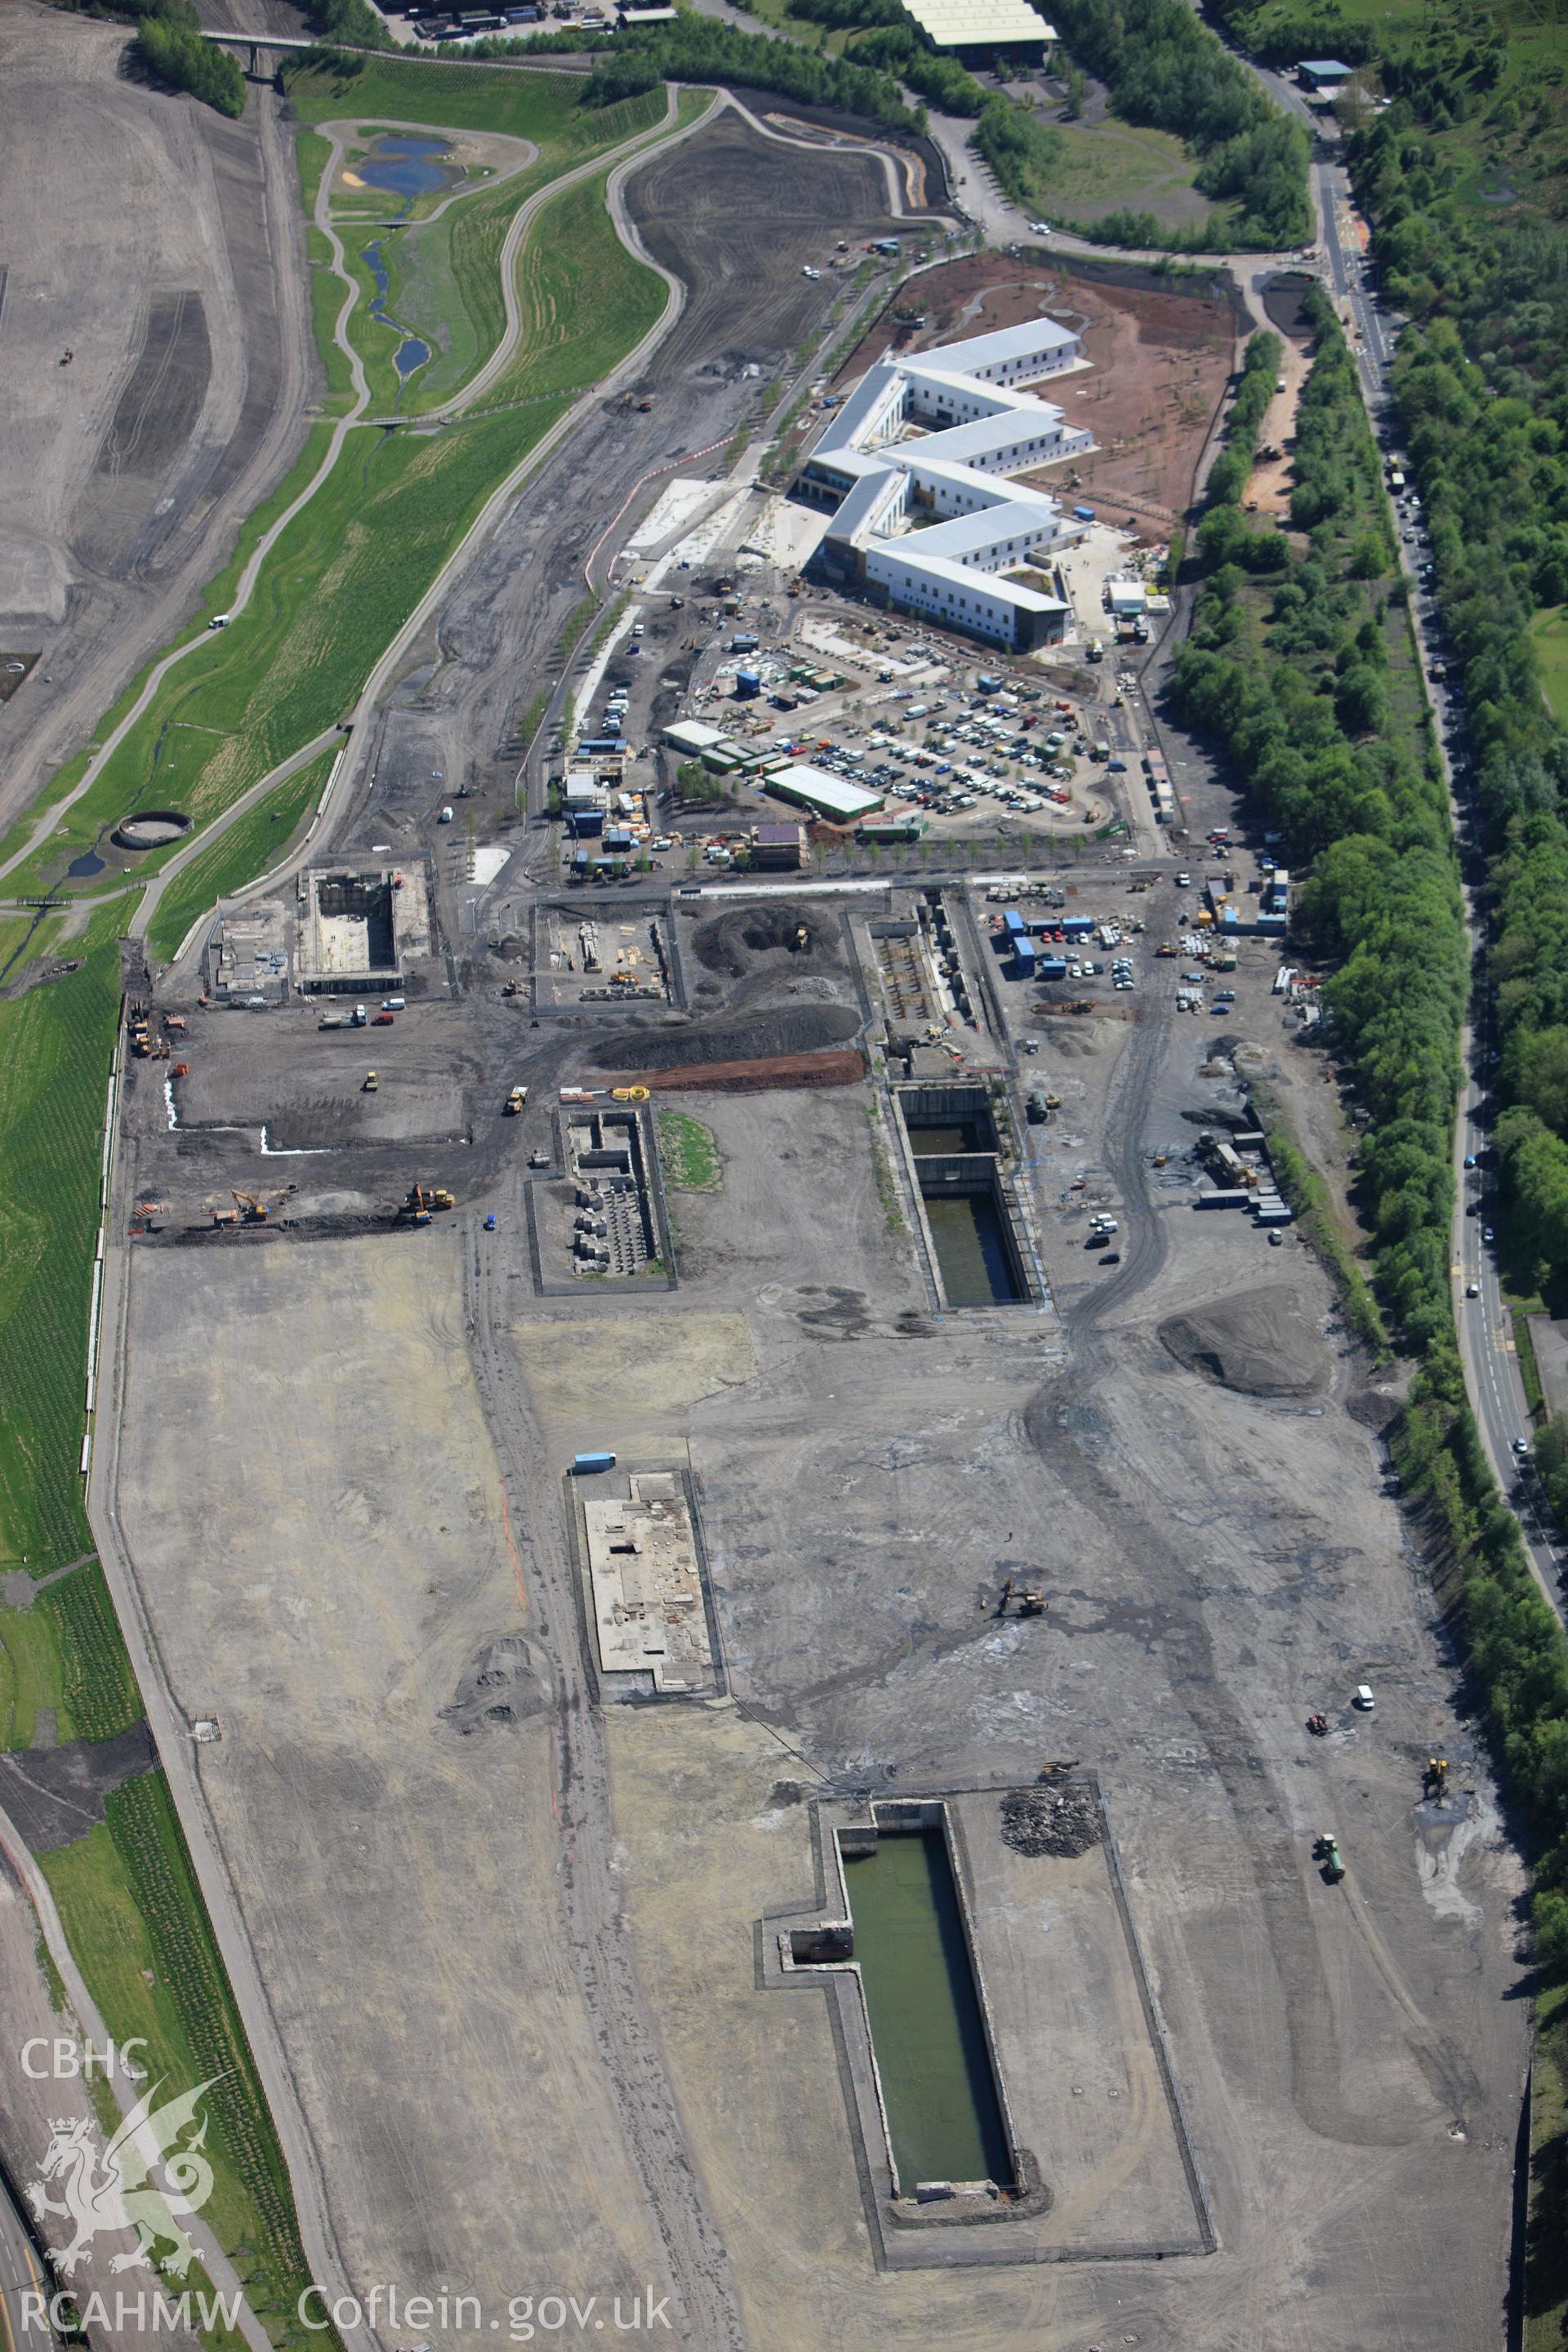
[
  {"x": 21, "y": 2274},
  {"x": 1487, "y": 1348}
]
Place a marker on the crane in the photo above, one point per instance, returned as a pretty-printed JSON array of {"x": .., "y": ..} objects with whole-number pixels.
[{"x": 252, "y": 1210}]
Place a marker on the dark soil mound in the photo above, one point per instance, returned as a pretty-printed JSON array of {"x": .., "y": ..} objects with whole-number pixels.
[
  {"x": 793, "y": 1029},
  {"x": 1064, "y": 1821},
  {"x": 1258, "y": 1342},
  {"x": 731, "y": 942},
  {"x": 1374, "y": 1408}
]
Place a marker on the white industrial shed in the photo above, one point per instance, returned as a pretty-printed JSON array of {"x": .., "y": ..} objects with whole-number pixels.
[
  {"x": 979, "y": 24},
  {"x": 814, "y": 788}
]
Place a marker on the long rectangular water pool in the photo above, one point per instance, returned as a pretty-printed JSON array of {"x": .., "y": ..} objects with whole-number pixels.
[
  {"x": 970, "y": 1240},
  {"x": 943, "y": 2114}
]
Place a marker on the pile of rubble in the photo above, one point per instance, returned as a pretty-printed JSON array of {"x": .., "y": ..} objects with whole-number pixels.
[{"x": 1056, "y": 1818}]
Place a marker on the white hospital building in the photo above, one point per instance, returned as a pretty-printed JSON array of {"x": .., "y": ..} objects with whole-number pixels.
[{"x": 917, "y": 461}]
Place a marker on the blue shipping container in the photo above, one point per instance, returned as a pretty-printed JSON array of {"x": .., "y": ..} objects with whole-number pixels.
[
  {"x": 1084, "y": 514},
  {"x": 1078, "y": 926},
  {"x": 584, "y": 1464},
  {"x": 1014, "y": 921},
  {"x": 1050, "y": 968}
]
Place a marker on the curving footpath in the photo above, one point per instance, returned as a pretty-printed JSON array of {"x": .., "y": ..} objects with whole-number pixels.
[{"x": 354, "y": 415}]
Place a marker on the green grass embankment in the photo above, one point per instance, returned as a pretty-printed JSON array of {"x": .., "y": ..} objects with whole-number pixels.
[
  {"x": 137, "y": 1931},
  {"x": 240, "y": 854},
  {"x": 55, "y": 1043},
  {"x": 585, "y": 300},
  {"x": 80, "y": 825},
  {"x": 1308, "y": 1194},
  {"x": 1546, "y": 2248},
  {"x": 687, "y": 1152},
  {"x": 335, "y": 589}
]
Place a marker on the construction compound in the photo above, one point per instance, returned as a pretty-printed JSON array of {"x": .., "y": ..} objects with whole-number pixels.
[
  {"x": 647, "y": 1601},
  {"x": 358, "y": 931}
]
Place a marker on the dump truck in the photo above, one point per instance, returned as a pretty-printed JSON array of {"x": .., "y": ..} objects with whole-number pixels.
[
  {"x": 371, "y": 1083},
  {"x": 515, "y": 1101}
]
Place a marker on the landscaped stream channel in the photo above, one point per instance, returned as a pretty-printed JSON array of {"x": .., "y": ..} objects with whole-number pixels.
[{"x": 409, "y": 168}]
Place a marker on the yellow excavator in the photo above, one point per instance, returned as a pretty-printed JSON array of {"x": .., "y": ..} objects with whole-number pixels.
[
  {"x": 252, "y": 1211},
  {"x": 1031, "y": 1603}
]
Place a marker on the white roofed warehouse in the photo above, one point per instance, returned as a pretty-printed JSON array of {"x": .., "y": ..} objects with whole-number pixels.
[
  {"x": 978, "y": 28},
  {"x": 916, "y": 462}
]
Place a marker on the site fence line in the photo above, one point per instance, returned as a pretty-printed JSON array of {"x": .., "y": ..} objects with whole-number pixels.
[{"x": 105, "y": 1181}]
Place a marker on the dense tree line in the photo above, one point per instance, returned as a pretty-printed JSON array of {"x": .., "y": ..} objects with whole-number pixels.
[
  {"x": 1162, "y": 66},
  {"x": 700, "y": 49},
  {"x": 1229, "y": 473},
  {"x": 170, "y": 45},
  {"x": 354, "y": 21},
  {"x": 898, "y": 49},
  {"x": 1021, "y": 150},
  {"x": 1295, "y": 687},
  {"x": 1481, "y": 380},
  {"x": 1481, "y": 383},
  {"x": 1295, "y": 695}
]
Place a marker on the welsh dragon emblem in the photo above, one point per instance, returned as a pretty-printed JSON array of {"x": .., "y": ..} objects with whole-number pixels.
[{"x": 147, "y": 2180}]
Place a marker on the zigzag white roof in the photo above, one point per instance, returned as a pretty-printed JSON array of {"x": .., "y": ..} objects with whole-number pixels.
[{"x": 988, "y": 523}]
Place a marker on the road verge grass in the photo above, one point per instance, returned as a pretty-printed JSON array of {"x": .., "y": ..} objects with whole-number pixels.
[
  {"x": 139, "y": 1935},
  {"x": 687, "y": 1152},
  {"x": 1307, "y": 1193}
]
